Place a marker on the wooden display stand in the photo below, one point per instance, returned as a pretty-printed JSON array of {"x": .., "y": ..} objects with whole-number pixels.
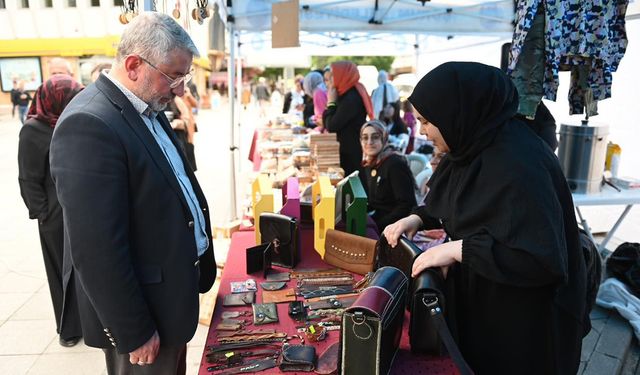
[
  {"x": 291, "y": 199},
  {"x": 261, "y": 201},
  {"x": 354, "y": 206},
  {"x": 323, "y": 202}
]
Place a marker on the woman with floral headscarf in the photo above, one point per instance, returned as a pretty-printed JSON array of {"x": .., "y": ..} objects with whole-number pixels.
[
  {"x": 349, "y": 105},
  {"x": 389, "y": 179},
  {"x": 39, "y": 194}
]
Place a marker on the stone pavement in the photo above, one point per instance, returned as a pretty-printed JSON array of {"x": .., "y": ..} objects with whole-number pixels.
[{"x": 29, "y": 345}]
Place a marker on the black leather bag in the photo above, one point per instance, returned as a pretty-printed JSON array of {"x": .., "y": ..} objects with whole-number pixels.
[
  {"x": 372, "y": 326},
  {"x": 282, "y": 232},
  {"x": 400, "y": 257},
  {"x": 427, "y": 292}
]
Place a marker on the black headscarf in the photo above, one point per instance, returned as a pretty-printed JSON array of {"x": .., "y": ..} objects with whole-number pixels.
[{"x": 499, "y": 183}]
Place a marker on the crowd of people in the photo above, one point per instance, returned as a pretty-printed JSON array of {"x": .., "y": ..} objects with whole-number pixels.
[{"x": 125, "y": 271}]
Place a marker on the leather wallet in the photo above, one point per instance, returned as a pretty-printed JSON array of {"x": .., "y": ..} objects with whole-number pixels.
[
  {"x": 349, "y": 251},
  {"x": 297, "y": 311},
  {"x": 264, "y": 313},
  {"x": 279, "y": 296},
  {"x": 239, "y": 299},
  {"x": 259, "y": 259},
  {"x": 297, "y": 358},
  {"x": 282, "y": 232}
]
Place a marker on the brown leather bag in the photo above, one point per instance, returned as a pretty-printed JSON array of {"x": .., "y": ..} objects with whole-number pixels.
[{"x": 349, "y": 252}]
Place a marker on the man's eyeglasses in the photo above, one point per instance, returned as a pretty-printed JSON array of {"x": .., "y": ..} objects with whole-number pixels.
[
  {"x": 173, "y": 82},
  {"x": 375, "y": 137}
]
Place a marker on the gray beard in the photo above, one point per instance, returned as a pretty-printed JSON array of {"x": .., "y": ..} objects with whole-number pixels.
[{"x": 153, "y": 103}]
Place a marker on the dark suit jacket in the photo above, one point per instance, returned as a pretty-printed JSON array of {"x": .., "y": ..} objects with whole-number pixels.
[{"x": 128, "y": 229}]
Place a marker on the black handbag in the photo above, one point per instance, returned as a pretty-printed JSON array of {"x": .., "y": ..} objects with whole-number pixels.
[
  {"x": 372, "y": 326},
  {"x": 400, "y": 257},
  {"x": 282, "y": 232}
]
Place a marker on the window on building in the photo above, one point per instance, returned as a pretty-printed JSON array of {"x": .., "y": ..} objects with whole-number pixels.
[
  {"x": 24, "y": 3},
  {"x": 95, "y": 3},
  {"x": 47, "y": 3},
  {"x": 71, "y": 3},
  {"x": 118, "y": 3}
]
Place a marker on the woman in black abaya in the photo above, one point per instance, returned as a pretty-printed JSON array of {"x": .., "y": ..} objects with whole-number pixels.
[{"x": 515, "y": 265}]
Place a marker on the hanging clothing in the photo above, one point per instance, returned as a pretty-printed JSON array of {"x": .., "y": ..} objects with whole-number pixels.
[
  {"x": 519, "y": 292},
  {"x": 576, "y": 34}
]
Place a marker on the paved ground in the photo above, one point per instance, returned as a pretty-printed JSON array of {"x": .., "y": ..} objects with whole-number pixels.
[{"x": 28, "y": 342}]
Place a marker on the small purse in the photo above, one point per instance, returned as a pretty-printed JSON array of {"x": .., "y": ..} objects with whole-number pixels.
[
  {"x": 349, "y": 251},
  {"x": 264, "y": 313},
  {"x": 282, "y": 232},
  {"x": 297, "y": 358}
]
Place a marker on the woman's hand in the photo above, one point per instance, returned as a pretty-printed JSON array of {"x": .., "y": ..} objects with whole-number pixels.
[
  {"x": 438, "y": 256},
  {"x": 332, "y": 94},
  {"x": 407, "y": 226}
]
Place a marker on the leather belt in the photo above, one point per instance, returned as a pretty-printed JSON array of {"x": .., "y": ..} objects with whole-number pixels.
[{"x": 252, "y": 366}]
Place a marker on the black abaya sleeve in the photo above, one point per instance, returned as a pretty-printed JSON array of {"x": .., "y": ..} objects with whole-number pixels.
[
  {"x": 428, "y": 221},
  {"x": 347, "y": 111},
  {"x": 497, "y": 262}
]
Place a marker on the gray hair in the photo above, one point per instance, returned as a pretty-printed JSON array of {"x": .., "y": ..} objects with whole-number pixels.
[{"x": 154, "y": 35}]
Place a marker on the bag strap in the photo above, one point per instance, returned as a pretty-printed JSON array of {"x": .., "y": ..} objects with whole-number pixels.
[
  {"x": 443, "y": 330},
  {"x": 384, "y": 95}
]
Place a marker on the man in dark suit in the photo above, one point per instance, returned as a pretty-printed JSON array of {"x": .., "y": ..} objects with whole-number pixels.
[{"x": 137, "y": 228}]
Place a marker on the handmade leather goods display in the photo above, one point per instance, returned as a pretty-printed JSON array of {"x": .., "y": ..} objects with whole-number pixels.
[
  {"x": 297, "y": 358},
  {"x": 400, "y": 257},
  {"x": 282, "y": 232},
  {"x": 428, "y": 330},
  {"x": 239, "y": 299},
  {"x": 372, "y": 326},
  {"x": 349, "y": 251},
  {"x": 264, "y": 313},
  {"x": 278, "y": 296},
  {"x": 259, "y": 259}
]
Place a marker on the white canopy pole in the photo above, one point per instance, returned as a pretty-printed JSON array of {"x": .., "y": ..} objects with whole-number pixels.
[
  {"x": 233, "y": 214},
  {"x": 239, "y": 94}
]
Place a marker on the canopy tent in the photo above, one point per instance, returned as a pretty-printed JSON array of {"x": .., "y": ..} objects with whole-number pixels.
[{"x": 329, "y": 23}]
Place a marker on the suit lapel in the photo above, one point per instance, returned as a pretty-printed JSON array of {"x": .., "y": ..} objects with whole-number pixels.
[{"x": 138, "y": 126}]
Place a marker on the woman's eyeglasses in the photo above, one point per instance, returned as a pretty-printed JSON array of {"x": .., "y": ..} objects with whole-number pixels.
[{"x": 375, "y": 137}]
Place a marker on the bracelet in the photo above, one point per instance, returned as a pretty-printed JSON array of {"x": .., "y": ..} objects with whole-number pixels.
[
  {"x": 331, "y": 104},
  {"x": 315, "y": 333}
]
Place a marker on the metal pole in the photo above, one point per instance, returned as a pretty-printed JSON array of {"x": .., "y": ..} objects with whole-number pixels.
[
  {"x": 233, "y": 214},
  {"x": 239, "y": 95},
  {"x": 416, "y": 47}
]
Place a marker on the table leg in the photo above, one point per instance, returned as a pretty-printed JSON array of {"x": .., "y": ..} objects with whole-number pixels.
[
  {"x": 585, "y": 225},
  {"x": 602, "y": 245}
]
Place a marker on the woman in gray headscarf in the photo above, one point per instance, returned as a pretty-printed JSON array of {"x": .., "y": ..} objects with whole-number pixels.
[{"x": 314, "y": 87}]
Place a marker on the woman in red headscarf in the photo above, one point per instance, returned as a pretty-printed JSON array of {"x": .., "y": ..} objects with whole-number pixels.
[
  {"x": 349, "y": 105},
  {"x": 39, "y": 194}
]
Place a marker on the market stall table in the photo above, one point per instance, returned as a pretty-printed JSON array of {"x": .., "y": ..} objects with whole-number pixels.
[
  {"x": 607, "y": 197},
  {"x": 405, "y": 362}
]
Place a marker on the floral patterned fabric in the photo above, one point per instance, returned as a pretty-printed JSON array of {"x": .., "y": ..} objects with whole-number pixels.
[{"x": 577, "y": 34}]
